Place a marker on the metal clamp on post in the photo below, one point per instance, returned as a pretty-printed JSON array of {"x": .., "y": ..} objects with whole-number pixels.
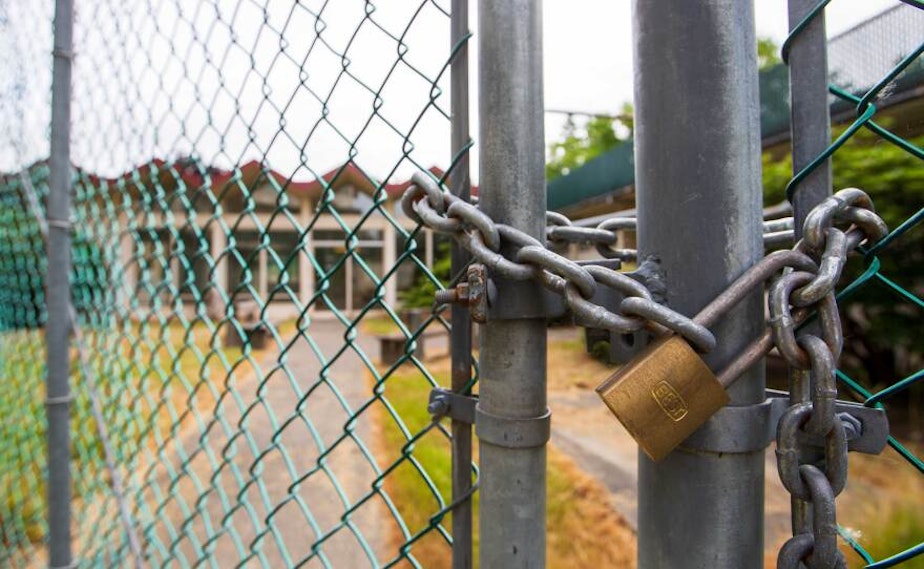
[
  {"x": 509, "y": 300},
  {"x": 448, "y": 403},
  {"x": 867, "y": 428},
  {"x": 509, "y": 432},
  {"x": 62, "y": 400},
  {"x": 723, "y": 433}
]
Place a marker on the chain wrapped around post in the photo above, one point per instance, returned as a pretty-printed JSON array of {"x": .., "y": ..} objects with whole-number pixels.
[
  {"x": 813, "y": 391},
  {"x": 810, "y": 273},
  {"x": 432, "y": 206}
]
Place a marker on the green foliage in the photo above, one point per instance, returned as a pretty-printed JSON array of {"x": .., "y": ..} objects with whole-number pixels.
[
  {"x": 600, "y": 351},
  {"x": 880, "y": 342},
  {"x": 891, "y": 176},
  {"x": 414, "y": 495},
  {"x": 768, "y": 53},
  {"x": 420, "y": 295},
  {"x": 578, "y": 146},
  {"x": 893, "y": 530}
]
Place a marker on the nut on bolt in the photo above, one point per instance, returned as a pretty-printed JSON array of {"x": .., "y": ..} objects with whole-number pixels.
[
  {"x": 438, "y": 406},
  {"x": 471, "y": 294},
  {"x": 477, "y": 293}
]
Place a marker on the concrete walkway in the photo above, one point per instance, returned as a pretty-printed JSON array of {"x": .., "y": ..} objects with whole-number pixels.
[
  {"x": 270, "y": 481},
  {"x": 584, "y": 430}
]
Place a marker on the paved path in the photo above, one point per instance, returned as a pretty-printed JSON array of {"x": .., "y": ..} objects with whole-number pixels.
[
  {"x": 585, "y": 431},
  {"x": 254, "y": 489}
]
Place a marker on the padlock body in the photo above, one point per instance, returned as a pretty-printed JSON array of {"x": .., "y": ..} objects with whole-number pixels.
[{"x": 663, "y": 395}]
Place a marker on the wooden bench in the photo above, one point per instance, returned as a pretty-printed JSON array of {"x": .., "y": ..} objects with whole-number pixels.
[
  {"x": 256, "y": 331},
  {"x": 393, "y": 347}
]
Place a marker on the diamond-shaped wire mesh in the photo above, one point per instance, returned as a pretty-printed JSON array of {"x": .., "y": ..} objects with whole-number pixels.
[
  {"x": 238, "y": 261},
  {"x": 873, "y": 66}
]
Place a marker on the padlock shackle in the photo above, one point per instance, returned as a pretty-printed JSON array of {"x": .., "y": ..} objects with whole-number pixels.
[
  {"x": 754, "y": 351},
  {"x": 795, "y": 258},
  {"x": 751, "y": 279}
]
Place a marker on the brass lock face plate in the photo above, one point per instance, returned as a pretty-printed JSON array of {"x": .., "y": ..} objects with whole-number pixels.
[{"x": 663, "y": 395}]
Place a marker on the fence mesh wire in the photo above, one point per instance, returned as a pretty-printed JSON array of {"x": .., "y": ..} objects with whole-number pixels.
[
  {"x": 876, "y": 71},
  {"x": 238, "y": 259}
]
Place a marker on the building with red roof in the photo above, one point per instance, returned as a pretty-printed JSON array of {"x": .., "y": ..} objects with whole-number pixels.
[{"x": 252, "y": 235}]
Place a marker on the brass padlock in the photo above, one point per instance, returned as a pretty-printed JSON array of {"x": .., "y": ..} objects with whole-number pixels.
[{"x": 667, "y": 392}]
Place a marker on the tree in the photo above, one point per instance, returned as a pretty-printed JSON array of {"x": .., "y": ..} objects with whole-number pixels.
[
  {"x": 768, "y": 54},
  {"x": 422, "y": 292},
  {"x": 880, "y": 340},
  {"x": 580, "y": 145}
]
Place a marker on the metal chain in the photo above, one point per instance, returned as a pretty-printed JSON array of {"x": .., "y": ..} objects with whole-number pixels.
[
  {"x": 604, "y": 236},
  {"x": 814, "y": 485},
  {"x": 512, "y": 254},
  {"x": 810, "y": 273}
]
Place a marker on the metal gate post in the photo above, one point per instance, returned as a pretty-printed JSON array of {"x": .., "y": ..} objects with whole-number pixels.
[
  {"x": 58, "y": 294},
  {"x": 810, "y": 129},
  {"x": 810, "y": 123},
  {"x": 512, "y": 420},
  {"x": 461, "y": 330},
  {"x": 697, "y": 147}
]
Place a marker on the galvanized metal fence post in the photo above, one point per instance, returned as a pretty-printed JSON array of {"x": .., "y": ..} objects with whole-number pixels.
[
  {"x": 461, "y": 331},
  {"x": 512, "y": 421},
  {"x": 811, "y": 121},
  {"x": 697, "y": 150},
  {"x": 810, "y": 127},
  {"x": 58, "y": 294}
]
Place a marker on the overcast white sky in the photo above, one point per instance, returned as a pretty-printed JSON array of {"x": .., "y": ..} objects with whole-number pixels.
[
  {"x": 600, "y": 82},
  {"x": 231, "y": 81}
]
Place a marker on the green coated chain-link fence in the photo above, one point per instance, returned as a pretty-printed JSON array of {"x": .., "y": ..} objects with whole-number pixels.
[
  {"x": 254, "y": 340},
  {"x": 242, "y": 280},
  {"x": 879, "y": 64}
]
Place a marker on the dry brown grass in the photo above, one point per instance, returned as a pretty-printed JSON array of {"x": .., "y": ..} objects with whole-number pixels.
[{"x": 584, "y": 530}]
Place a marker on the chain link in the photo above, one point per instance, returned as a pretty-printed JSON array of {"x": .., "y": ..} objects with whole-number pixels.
[
  {"x": 814, "y": 485},
  {"x": 512, "y": 254}
]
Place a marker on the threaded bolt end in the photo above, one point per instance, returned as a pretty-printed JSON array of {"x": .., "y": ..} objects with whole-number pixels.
[{"x": 447, "y": 296}]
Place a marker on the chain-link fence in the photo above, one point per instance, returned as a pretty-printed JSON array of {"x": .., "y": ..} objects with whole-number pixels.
[
  {"x": 239, "y": 276},
  {"x": 882, "y": 295},
  {"x": 254, "y": 333}
]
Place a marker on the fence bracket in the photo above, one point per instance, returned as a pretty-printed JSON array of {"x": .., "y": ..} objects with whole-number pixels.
[
  {"x": 448, "y": 403},
  {"x": 514, "y": 300},
  {"x": 867, "y": 427}
]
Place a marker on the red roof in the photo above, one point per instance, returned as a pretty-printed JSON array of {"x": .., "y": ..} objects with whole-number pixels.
[{"x": 195, "y": 175}]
